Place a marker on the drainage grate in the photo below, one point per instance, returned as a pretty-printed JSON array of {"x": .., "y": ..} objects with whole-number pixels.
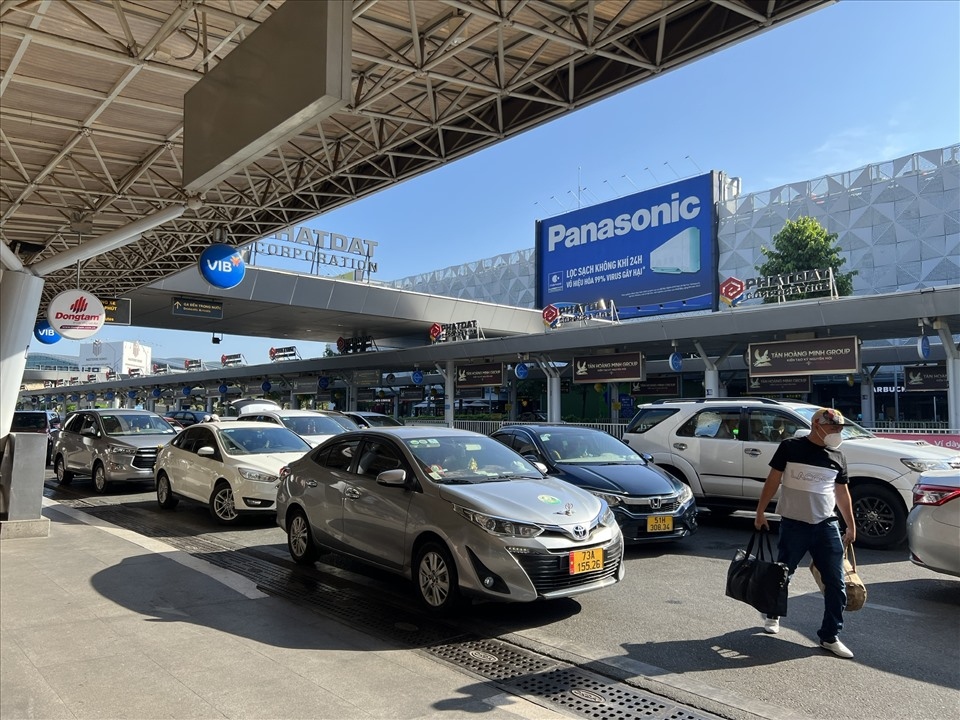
[{"x": 513, "y": 669}]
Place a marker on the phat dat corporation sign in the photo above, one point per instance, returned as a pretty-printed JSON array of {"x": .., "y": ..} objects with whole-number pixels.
[{"x": 321, "y": 249}]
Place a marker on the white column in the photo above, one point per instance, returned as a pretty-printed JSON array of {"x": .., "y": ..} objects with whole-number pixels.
[
  {"x": 449, "y": 391},
  {"x": 953, "y": 373},
  {"x": 19, "y": 302}
]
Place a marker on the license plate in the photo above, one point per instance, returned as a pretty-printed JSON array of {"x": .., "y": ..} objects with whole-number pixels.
[
  {"x": 659, "y": 523},
  {"x": 582, "y": 561}
]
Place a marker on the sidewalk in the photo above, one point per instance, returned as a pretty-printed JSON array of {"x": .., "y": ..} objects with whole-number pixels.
[{"x": 98, "y": 622}]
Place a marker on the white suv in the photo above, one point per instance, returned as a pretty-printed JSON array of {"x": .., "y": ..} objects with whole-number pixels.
[{"x": 722, "y": 448}]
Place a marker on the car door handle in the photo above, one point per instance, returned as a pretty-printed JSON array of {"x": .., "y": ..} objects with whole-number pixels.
[
  {"x": 752, "y": 452},
  {"x": 680, "y": 446},
  {"x": 352, "y": 493}
]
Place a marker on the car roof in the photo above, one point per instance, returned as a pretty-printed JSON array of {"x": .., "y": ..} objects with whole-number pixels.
[
  {"x": 552, "y": 427},
  {"x": 226, "y": 424},
  {"x": 403, "y": 432}
]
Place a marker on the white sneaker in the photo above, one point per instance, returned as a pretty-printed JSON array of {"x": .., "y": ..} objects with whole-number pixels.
[
  {"x": 771, "y": 625},
  {"x": 837, "y": 648}
]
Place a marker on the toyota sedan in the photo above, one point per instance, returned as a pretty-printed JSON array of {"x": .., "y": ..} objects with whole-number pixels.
[{"x": 458, "y": 513}]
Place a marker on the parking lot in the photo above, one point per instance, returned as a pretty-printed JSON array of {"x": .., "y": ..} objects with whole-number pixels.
[{"x": 667, "y": 628}]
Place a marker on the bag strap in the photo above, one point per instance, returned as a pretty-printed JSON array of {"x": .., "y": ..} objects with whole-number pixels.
[
  {"x": 848, "y": 554},
  {"x": 764, "y": 538}
]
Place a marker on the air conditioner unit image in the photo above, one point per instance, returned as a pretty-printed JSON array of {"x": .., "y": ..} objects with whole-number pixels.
[{"x": 679, "y": 254}]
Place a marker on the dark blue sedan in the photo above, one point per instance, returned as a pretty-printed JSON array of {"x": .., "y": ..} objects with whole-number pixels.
[{"x": 650, "y": 504}]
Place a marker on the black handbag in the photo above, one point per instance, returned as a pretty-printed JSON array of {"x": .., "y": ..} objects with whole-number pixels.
[{"x": 758, "y": 580}]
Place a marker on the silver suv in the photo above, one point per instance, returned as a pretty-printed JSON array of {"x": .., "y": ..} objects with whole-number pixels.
[
  {"x": 110, "y": 444},
  {"x": 722, "y": 448}
]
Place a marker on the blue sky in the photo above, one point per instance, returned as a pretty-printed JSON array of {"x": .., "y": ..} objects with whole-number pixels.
[{"x": 858, "y": 82}]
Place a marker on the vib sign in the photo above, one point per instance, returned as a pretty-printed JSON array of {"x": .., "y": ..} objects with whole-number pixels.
[
  {"x": 651, "y": 253},
  {"x": 222, "y": 266}
]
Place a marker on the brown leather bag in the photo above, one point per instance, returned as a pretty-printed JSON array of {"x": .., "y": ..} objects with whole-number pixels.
[{"x": 856, "y": 590}]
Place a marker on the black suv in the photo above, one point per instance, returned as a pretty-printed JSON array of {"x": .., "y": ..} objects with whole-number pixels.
[
  {"x": 38, "y": 421},
  {"x": 190, "y": 417}
]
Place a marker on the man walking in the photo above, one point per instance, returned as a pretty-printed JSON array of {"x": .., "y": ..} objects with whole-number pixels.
[{"x": 812, "y": 475}]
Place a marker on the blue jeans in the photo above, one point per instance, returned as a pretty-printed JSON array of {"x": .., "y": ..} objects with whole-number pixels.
[{"x": 825, "y": 546}]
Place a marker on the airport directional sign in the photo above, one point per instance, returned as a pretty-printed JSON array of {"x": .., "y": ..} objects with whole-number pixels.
[{"x": 197, "y": 307}]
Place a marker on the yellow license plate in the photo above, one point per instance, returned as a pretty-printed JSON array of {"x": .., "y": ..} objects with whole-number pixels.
[
  {"x": 582, "y": 561},
  {"x": 659, "y": 523}
]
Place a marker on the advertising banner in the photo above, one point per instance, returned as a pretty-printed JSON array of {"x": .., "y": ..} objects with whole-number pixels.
[
  {"x": 117, "y": 310},
  {"x": 665, "y": 386},
  {"x": 370, "y": 378},
  {"x": 483, "y": 375},
  {"x": 411, "y": 394},
  {"x": 608, "y": 368},
  {"x": 761, "y": 385},
  {"x": 925, "y": 377},
  {"x": 820, "y": 356},
  {"x": 652, "y": 253}
]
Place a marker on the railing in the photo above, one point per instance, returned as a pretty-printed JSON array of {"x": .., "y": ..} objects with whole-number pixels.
[{"x": 485, "y": 427}]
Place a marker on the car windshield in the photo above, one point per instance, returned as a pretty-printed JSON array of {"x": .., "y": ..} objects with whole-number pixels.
[
  {"x": 246, "y": 440},
  {"x": 469, "y": 459},
  {"x": 117, "y": 424},
  {"x": 586, "y": 447},
  {"x": 315, "y": 424},
  {"x": 851, "y": 431}
]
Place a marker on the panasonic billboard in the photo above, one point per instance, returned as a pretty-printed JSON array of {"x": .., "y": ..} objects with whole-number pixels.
[{"x": 651, "y": 253}]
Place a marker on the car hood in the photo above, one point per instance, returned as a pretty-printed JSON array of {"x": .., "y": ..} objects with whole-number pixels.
[
  {"x": 140, "y": 440},
  {"x": 544, "y": 502},
  {"x": 268, "y": 462},
  {"x": 863, "y": 449},
  {"x": 629, "y": 479}
]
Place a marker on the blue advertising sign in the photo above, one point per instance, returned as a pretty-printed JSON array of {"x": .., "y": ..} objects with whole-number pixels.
[
  {"x": 44, "y": 333},
  {"x": 222, "y": 266},
  {"x": 653, "y": 252}
]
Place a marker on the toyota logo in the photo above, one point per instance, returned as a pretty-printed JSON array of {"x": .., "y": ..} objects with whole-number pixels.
[{"x": 579, "y": 532}]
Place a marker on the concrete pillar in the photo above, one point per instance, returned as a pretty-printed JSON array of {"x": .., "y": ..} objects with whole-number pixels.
[
  {"x": 449, "y": 391},
  {"x": 953, "y": 372},
  {"x": 711, "y": 383},
  {"x": 867, "y": 400},
  {"x": 19, "y": 302}
]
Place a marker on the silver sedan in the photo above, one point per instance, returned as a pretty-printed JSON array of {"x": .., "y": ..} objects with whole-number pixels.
[
  {"x": 933, "y": 525},
  {"x": 457, "y": 512}
]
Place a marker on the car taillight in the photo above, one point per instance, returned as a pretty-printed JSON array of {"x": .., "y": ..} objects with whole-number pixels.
[{"x": 924, "y": 494}]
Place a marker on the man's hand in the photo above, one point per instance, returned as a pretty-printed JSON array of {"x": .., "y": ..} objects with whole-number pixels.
[
  {"x": 760, "y": 522},
  {"x": 849, "y": 536}
]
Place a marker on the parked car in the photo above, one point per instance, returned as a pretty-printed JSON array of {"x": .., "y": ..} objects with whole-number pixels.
[
  {"x": 722, "y": 448},
  {"x": 109, "y": 444},
  {"x": 371, "y": 419},
  {"x": 650, "y": 504},
  {"x": 176, "y": 423},
  {"x": 314, "y": 426},
  {"x": 231, "y": 467},
  {"x": 38, "y": 421},
  {"x": 933, "y": 525},
  {"x": 191, "y": 417},
  {"x": 457, "y": 512}
]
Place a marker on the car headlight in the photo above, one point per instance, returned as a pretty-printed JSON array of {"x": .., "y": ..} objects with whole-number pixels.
[
  {"x": 121, "y": 450},
  {"x": 499, "y": 526},
  {"x": 685, "y": 494},
  {"x": 608, "y": 519},
  {"x": 256, "y": 475},
  {"x": 923, "y": 464},
  {"x": 612, "y": 500}
]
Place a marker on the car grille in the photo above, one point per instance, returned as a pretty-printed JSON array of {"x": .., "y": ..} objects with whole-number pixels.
[
  {"x": 551, "y": 572},
  {"x": 145, "y": 458},
  {"x": 667, "y": 505}
]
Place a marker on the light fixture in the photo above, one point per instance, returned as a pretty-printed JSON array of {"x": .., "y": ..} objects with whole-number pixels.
[{"x": 216, "y": 340}]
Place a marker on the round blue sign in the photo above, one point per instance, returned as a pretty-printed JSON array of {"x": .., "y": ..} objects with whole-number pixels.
[
  {"x": 223, "y": 389},
  {"x": 222, "y": 266},
  {"x": 676, "y": 362},
  {"x": 323, "y": 383},
  {"x": 132, "y": 394},
  {"x": 186, "y": 390},
  {"x": 74, "y": 398},
  {"x": 91, "y": 397},
  {"x": 417, "y": 377},
  {"x": 44, "y": 333},
  {"x": 923, "y": 347},
  {"x": 265, "y": 386},
  {"x": 521, "y": 371},
  {"x": 108, "y": 395},
  {"x": 156, "y": 392}
]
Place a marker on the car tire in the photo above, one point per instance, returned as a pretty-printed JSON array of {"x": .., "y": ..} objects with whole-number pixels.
[
  {"x": 99, "y": 478},
  {"x": 223, "y": 505},
  {"x": 300, "y": 540},
  {"x": 165, "y": 497},
  {"x": 880, "y": 516},
  {"x": 64, "y": 476},
  {"x": 435, "y": 579}
]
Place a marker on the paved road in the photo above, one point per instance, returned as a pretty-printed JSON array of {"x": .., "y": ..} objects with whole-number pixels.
[{"x": 668, "y": 627}]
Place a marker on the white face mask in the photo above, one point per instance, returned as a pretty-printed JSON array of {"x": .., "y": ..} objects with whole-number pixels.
[{"x": 832, "y": 440}]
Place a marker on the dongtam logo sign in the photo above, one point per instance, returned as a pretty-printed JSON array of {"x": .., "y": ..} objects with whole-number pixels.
[
  {"x": 222, "y": 266},
  {"x": 75, "y": 314}
]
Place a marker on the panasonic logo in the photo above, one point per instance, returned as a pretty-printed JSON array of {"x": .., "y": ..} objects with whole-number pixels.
[{"x": 663, "y": 214}]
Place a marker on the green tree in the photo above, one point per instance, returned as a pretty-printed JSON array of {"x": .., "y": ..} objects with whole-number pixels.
[{"x": 804, "y": 244}]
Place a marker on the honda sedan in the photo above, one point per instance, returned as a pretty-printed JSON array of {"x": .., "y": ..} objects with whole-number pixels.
[{"x": 456, "y": 512}]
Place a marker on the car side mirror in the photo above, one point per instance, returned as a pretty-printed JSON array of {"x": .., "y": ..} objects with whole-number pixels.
[
  {"x": 206, "y": 451},
  {"x": 393, "y": 478},
  {"x": 540, "y": 466}
]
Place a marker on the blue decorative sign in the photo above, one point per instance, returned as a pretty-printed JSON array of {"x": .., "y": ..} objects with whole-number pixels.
[
  {"x": 417, "y": 377},
  {"x": 186, "y": 390},
  {"x": 323, "y": 383},
  {"x": 156, "y": 392},
  {"x": 44, "y": 333},
  {"x": 91, "y": 397},
  {"x": 132, "y": 394},
  {"x": 265, "y": 386},
  {"x": 521, "y": 371},
  {"x": 108, "y": 395},
  {"x": 222, "y": 266},
  {"x": 223, "y": 389},
  {"x": 923, "y": 347},
  {"x": 676, "y": 361}
]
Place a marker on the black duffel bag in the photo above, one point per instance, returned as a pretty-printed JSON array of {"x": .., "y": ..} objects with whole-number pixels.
[{"x": 758, "y": 580}]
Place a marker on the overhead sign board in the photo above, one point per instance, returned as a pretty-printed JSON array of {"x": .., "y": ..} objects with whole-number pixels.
[
  {"x": 284, "y": 353},
  {"x": 75, "y": 314},
  {"x": 820, "y": 356},
  {"x": 482, "y": 375},
  {"x": 651, "y": 253},
  {"x": 231, "y": 360},
  {"x": 194, "y": 364},
  {"x": 411, "y": 394},
  {"x": 117, "y": 310},
  {"x": 776, "y": 385},
  {"x": 197, "y": 307},
  {"x": 367, "y": 377},
  {"x": 925, "y": 377},
  {"x": 663, "y": 386},
  {"x": 608, "y": 368}
]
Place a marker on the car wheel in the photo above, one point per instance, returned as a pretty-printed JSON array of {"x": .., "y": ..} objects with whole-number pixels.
[
  {"x": 222, "y": 504},
  {"x": 300, "y": 540},
  {"x": 880, "y": 516},
  {"x": 165, "y": 497},
  {"x": 436, "y": 578},
  {"x": 99, "y": 478},
  {"x": 64, "y": 476}
]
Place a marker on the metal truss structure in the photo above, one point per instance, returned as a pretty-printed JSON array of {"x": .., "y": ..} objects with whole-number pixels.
[{"x": 92, "y": 91}]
